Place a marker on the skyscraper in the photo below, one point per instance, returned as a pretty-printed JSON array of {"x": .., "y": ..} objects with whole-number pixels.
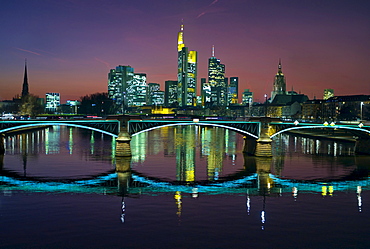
[
  {"x": 216, "y": 78},
  {"x": 52, "y": 102},
  {"x": 279, "y": 83},
  {"x": 25, "y": 90},
  {"x": 186, "y": 73},
  {"x": 118, "y": 81},
  {"x": 137, "y": 90},
  {"x": 170, "y": 93},
  {"x": 247, "y": 97},
  {"x": 233, "y": 90},
  {"x": 206, "y": 93},
  {"x": 154, "y": 95}
]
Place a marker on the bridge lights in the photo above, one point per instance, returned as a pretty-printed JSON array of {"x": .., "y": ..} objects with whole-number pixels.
[
  {"x": 296, "y": 122},
  {"x": 332, "y": 124},
  {"x": 360, "y": 125},
  {"x": 326, "y": 123}
]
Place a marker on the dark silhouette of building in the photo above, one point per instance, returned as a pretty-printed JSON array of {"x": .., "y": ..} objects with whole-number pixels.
[{"x": 25, "y": 89}]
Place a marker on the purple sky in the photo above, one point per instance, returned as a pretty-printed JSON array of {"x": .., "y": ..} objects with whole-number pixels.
[{"x": 70, "y": 45}]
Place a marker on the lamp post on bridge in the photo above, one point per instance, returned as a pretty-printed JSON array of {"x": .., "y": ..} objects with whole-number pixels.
[{"x": 362, "y": 103}]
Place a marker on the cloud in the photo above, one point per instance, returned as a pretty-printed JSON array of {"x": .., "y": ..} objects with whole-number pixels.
[
  {"x": 28, "y": 51},
  {"x": 104, "y": 62},
  {"x": 205, "y": 12},
  {"x": 201, "y": 14},
  {"x": 214, "y": 2}
]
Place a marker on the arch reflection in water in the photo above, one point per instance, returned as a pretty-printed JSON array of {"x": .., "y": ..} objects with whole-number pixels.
[{"x": 192, "y": 153}]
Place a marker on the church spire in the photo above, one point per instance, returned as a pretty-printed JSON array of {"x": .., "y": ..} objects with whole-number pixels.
[
  {"x": 25, "y": 91},
  {"x": 279, "y": 66}
]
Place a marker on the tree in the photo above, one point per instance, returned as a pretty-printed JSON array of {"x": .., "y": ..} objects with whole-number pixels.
[
  {"x": 30, "y": 105},
  {"x": 96, "y": 104}
]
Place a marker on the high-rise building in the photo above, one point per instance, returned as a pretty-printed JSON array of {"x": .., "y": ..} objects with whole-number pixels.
[
  {"x": 170, "y": 93},
  {"x": 279, "y": 87},
  {"x": 118, "y": 81},
  {"x": 186, "y": 73},
  {"x": 216, "y": 78},
  {"x": 52, "y": 102},
  {"x": 247, "y": 97},
  {"x": 328, "y": 93},
  {"x": 206, "y": 93},
  {"x": 25, "y": 90},
  {"x": 155, "y": 96},
  {"x": 137, "y": 90},
  {"x": 233, "y": 90}
]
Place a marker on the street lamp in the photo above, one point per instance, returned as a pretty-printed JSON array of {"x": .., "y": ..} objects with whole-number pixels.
[{"x": 362, "y": 103}]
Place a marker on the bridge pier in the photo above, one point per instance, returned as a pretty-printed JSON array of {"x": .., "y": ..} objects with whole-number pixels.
[
  {"x": 123, "y": 144},
  {"x": 362, "y": 146},
  {"x": 2, "y": 144},
  {"x": 263, "y": 146}
]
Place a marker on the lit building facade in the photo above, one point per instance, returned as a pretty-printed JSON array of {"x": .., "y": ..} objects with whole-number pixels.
[
  {"x": 170, "y": 93},
  {"x": 52, "y": 102},
  {"x": 233, "y": 90},
  {"x": 216, "y": 78},
  {"x": 328, "y": 93},
  {"x": 247, "y": 97},
  {"x": 279, "y": 87},
  {"x": 137, "y": 90},
  {"x": 206, "y": 93},
  {"x": 186, "y": 73},
  {"x": 118, "y": 81},
  {"x": 155, "y": 95}
]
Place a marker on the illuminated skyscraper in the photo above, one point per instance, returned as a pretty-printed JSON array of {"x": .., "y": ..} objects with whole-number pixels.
[
  {"x": 186, "y": 73},
  {"x": 118, "y": 81},
  {"x": 206, "y": 93},
  {"x": 233, "y": 90},
  {"x": 170, "y": 93},
  {"x": 137, "y": 90},
  {"x": 216, "y": 78},
  {"x": 247, "y": 97},
  {"x": 279, "y": 83},
  {"x": 328, "y": 93},
  {"x": 155, "y": 96},
  {"x": 52, "y": 102},
  {"x": 25, "y": 90}
]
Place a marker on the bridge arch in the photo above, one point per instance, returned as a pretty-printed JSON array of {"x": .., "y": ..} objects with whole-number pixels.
[
  {"x": 199, "y": 124},
  {"x": 57, "y": 124},
  {"x": 320, "y": 127}
]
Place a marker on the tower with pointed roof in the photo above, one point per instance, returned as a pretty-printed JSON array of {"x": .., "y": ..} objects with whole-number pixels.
[
  {"x": 186, "y": 72},
  {"x": 25, "y": 90},
  {"x": 216, "y": 78},
  {"x": 279, "y": 83}
]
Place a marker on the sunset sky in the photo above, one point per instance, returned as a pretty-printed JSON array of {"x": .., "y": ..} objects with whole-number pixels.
[{"x": 70, "y": 45}]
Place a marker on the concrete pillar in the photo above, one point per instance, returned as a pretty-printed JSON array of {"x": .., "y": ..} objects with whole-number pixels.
[
  {"x": 2, "y": 144},
  {"x": 263, "y": 147},
  {"x": 123, "y": 144}
]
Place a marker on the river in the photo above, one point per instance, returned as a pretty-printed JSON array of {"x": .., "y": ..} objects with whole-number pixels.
[{"x": 183, "y": 187}]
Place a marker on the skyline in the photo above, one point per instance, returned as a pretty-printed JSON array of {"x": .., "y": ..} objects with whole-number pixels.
[{"x": 71, "y": 45}]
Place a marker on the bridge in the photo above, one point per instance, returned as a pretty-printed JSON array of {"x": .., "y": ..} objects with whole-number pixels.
[
  {"x": 258, "y": 132},
  {"x": 109, "y": 127}
]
